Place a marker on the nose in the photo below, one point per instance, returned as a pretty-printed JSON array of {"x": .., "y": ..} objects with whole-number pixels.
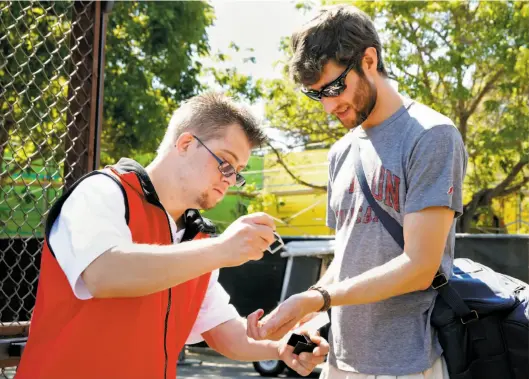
[
  {"x": 230, "y": 179},
  {"x": 329, "y": 104}
]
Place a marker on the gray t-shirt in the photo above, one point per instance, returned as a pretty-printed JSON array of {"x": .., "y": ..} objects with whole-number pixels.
[{"x": 413, "y": 160}]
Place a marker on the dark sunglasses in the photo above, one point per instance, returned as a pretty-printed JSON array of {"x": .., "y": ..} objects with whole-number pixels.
[
  {"x": 225, "y": 168},
  {"x": 332, "y": 89}
]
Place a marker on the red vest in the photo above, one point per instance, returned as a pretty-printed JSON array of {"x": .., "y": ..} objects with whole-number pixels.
[{"x": 117, "y": 338}]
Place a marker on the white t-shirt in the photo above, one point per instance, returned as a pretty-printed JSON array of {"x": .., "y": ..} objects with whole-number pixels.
[{"x": 92, "y": 220}]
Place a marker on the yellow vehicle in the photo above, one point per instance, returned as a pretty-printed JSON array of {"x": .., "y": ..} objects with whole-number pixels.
[{"x": 299, "y": 210}]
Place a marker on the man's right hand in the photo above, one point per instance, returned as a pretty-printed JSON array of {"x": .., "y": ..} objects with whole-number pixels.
[{"x": 247, "y": 238}]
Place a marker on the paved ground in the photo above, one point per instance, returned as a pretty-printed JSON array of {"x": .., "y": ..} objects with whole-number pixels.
[{"x": 211, "y": 365}]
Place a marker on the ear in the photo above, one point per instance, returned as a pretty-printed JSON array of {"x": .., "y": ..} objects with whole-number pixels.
[
  {"x": 183, "y": 142},
  {"x": 370, "y": 60}
]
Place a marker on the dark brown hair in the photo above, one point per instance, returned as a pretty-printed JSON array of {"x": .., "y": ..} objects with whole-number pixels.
[{"x": 341, "y": 33}]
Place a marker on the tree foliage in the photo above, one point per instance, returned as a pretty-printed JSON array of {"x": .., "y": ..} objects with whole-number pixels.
[
  {"x": 150, "y": 69},
  {"x": 33, "y": 47},
  {"x": 224, "y": 76}
]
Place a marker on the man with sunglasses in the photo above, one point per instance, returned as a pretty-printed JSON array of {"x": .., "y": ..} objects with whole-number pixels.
[
  {"x": 414, "y": 162},
  {"x": 127, "y": 276}
]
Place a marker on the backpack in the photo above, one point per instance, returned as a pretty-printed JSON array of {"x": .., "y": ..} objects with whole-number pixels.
[
  {"x": 493, "y": 341},
  {"x": 481, "y": 316}
]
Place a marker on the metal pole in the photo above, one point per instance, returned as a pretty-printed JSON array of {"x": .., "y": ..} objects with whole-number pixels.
[
  {"x": 286, "y": 281},
  {"x": 106, "y": 7},
  {"x": 82, "y": 90},
  {"x": 519, "y": 213}
]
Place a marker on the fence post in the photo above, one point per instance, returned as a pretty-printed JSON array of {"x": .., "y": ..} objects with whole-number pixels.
[{"x": 86, "y": 90}]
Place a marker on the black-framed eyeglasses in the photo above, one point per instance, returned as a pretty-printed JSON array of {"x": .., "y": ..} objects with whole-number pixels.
[
  {"x": 225, "y": 167},
  {"x": 332, "y": 89}
]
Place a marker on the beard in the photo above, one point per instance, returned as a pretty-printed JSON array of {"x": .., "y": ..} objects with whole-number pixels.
[
  {"x": 204, "y": 201},
  {"x": 366, "y": 97}
]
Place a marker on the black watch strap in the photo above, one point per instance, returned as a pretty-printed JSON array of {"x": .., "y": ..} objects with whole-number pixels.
[{"x": 326, "y": 297}]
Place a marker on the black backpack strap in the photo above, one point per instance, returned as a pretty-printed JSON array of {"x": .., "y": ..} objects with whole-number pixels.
[
  {"x": 440, "y": 282},
  {"x": 195, "y": 223}
]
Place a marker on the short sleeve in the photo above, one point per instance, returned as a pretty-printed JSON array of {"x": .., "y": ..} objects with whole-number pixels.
[
  {"x": 91, "y": 221},
  {"x": 436, "y": 170}
]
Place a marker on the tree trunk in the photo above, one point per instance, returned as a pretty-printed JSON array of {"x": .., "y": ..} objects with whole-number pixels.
[
  {"x": 463, "y": 126},
  {"x": 483, "y": 198},
  {"x": 469, "y": 210}
]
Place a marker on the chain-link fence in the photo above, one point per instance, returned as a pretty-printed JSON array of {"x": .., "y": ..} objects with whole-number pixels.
[{"x": 50, "y": 92}]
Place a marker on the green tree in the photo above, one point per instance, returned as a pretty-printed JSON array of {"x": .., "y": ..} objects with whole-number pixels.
[
  {"x": 222, "y": 75},
  {"x": 151, "y": 67},
  {"x": 467, "y": 60},
  {"x": 32, "y": 81}
]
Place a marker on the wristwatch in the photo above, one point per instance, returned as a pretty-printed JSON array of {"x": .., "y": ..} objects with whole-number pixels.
[{"x": 326, "y": 297}]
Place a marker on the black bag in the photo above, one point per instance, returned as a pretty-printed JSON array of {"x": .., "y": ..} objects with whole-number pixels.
[
  {"x": 481, "y": 316},
  {"x": 493, "y": 343}
]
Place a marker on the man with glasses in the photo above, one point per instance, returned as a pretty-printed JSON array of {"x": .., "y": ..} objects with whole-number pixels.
[
  {"x": 225, "y": 168},
  {"x": 127, "y": 276},
  {"x": 414, "y": 162}
]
